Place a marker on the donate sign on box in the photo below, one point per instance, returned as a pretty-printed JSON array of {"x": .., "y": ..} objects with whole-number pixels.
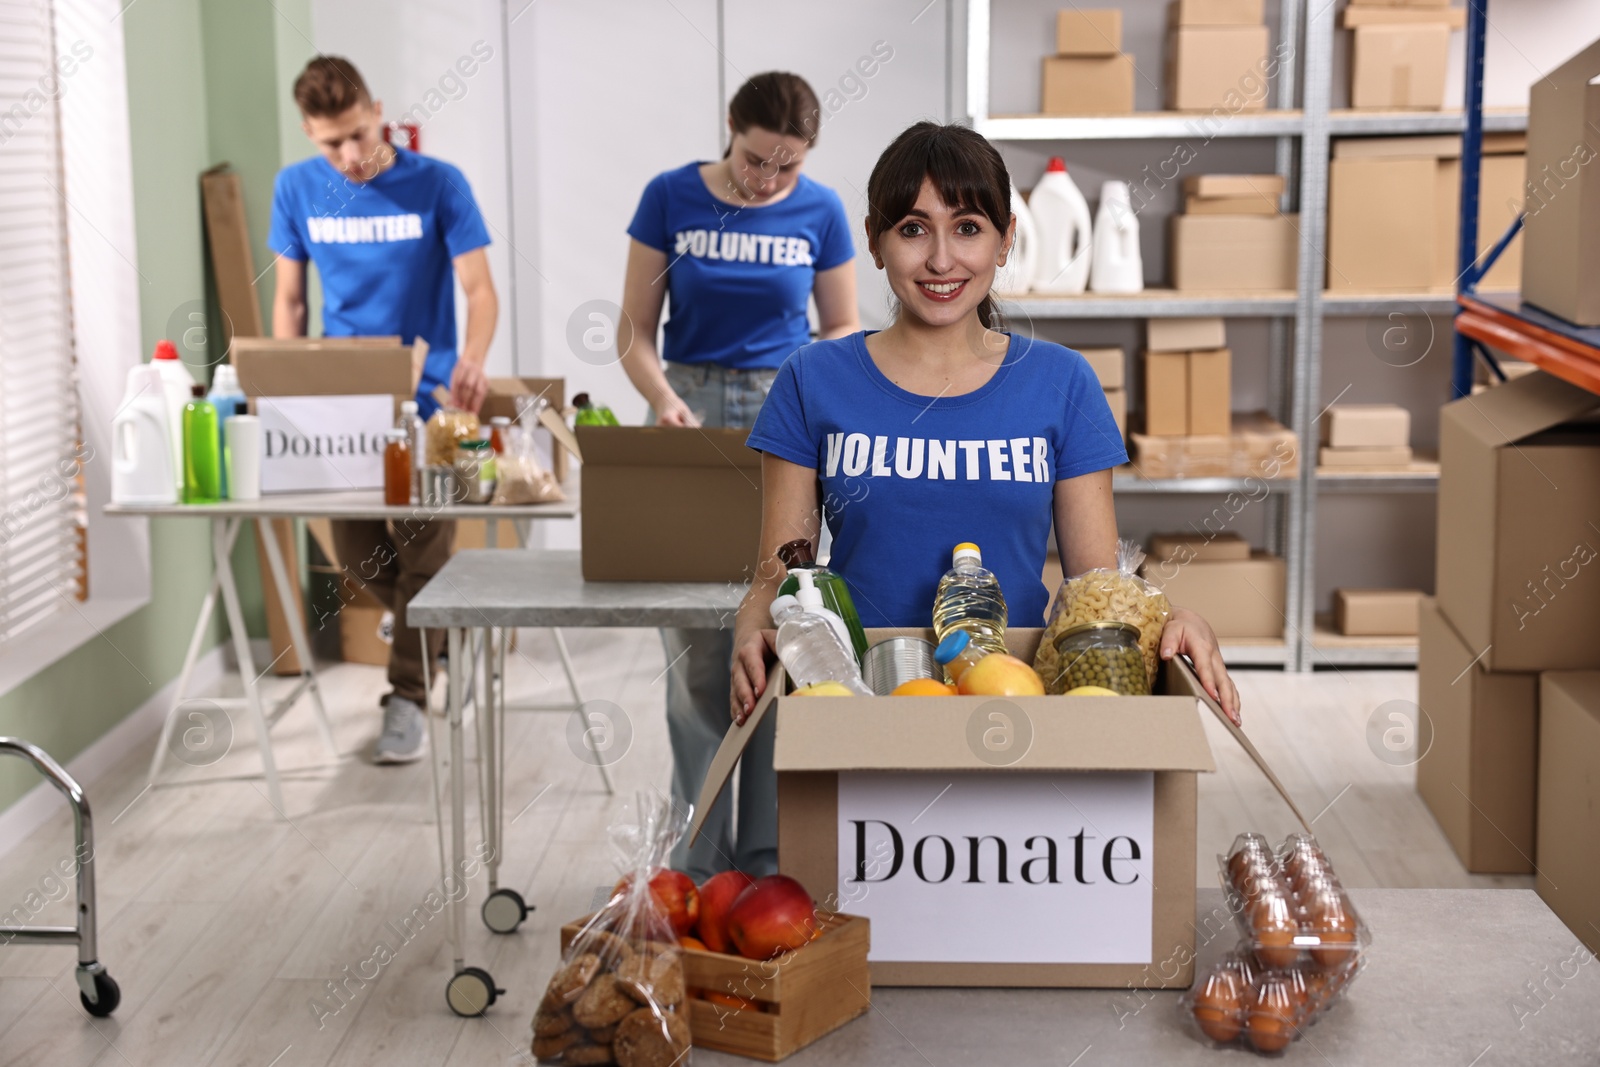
[{"x": 312, "y": 443}]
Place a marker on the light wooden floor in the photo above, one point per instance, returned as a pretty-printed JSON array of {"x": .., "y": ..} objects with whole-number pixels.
[{"x": 225, "y": 925}]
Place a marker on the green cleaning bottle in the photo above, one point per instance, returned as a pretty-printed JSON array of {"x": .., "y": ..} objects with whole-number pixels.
[
  {"x": 202, "y": 450},
  {"x": 799, "y": 555},
  {"x": 591, "y": 415}
]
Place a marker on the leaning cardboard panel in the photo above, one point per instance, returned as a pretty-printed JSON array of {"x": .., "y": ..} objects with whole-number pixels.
[
  {"x": 1519, "y": 524},
  {"x": 1561, "y": 250}
]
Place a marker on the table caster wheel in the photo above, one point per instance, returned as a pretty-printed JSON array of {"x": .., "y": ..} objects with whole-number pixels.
[
  {"x": 107, "y": 995},
  {"x": 504, "y": 911},
  {"x": 471, "y": 992}
]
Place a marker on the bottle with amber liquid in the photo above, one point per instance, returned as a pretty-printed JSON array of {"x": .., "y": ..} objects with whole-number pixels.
[{"x": 397, "y": 468}]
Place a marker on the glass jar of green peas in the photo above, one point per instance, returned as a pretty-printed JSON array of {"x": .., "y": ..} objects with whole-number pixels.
[{"x": 1102, "y": 654}]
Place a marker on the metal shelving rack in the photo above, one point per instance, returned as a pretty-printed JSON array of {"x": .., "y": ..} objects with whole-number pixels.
[{"x": 1300, "y": 122}]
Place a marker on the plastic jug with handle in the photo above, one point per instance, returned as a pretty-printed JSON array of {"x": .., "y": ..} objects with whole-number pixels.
[
  {"x": 1118, "y": 267},
  {"x": 141, "y": 449},
  {"x": 1016, "y": 277},
  {"x": 1061, "y": 219}
]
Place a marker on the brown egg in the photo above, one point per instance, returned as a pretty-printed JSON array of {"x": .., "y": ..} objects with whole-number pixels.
[
  {"x": 1273, "y": 929},
  {"x": 1269, "y": 1023},
  {"x": 1333, "y": 922},
  {"x": 1219, "y": 1006},
  {"x": 1299, "y": 995}
]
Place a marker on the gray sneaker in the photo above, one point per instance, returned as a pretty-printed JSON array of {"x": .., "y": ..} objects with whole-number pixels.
[{"x": 405, "y": 733}]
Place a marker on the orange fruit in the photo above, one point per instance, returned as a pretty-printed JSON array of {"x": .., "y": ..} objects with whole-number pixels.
[
  {"x": 729, "y": 1000},
  {"x": 692, "y": 943},
  {"x": 923, "y": 687}
]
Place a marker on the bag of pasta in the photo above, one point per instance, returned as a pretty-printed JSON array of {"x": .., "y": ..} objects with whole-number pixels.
[
  {"x": 448, "y": 427},
  {"x": 619, "y": 995},
  {"x": 1101, "y": 596},
  {"x": 522, "y": 479}
]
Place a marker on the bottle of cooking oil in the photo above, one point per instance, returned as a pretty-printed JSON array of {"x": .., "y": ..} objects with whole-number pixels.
[{"x": 969, "y": 599}]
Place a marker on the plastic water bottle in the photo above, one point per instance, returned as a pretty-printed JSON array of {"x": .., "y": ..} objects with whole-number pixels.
[
  {"x": 412, "y": 424},
  {"x": 202, "y": 450},
  {"x": 969, "y": 599},
  {"x": 1061, "y": 218},
  {"x": 797, "y": 556},
  {"x": 810, "y": 646}
]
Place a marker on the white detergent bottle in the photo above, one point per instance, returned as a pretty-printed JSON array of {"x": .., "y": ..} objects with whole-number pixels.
[
  {"x": 177, "y": 386},
  {"x": 1015, "y": 278},
  {"x": 141, "y": 449},
  {"x": 1061, "y": 219},
  {"x": 1118, "y": 267}
]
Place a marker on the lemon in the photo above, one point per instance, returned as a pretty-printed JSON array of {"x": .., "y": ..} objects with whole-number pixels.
[
  {"x": 1092, "y": 691},
  {"x": 823, "y": 689}
]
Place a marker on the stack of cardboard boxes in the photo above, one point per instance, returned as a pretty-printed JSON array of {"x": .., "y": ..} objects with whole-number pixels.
[
  {"x": 1108, "y": 367},
  {"x": 1394, "y": 205},
  {"x": 1089, "y": 74},
  {"x": 1561, "y": 270},
  {"x": 1240, "y": 592},
  {"x": 1399, "y": 51},
  {"x": 1510, "y": 752},
  {"x": 1217, "y": 56},
  {"x": 1231, "y": 236},
  {"x": 1366, "y": 437}
]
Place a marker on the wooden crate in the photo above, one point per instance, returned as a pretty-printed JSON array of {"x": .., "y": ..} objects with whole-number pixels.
[{"x": 801, "y": 995}]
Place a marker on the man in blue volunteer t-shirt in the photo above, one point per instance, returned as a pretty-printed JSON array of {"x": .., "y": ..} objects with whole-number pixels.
[{"x": 385, "y": 228}]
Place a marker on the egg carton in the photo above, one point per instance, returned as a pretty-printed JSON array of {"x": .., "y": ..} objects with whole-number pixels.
[
  {"x": 1238, "y": 1003},
  {"x": 1289, "y": 905}
]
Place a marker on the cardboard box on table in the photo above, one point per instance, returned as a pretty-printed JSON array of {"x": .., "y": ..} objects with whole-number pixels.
[
  {"x": 1568, "y": 833},
  {"x": 1215, "y": 67},
  {"x": 669, "y": 504},
  {"x": 1063, "y": 791},
  {"x": 1561, "y": 268},
  {"x": 1376, "y": 612},
  {"x": 1399, "y": 65},
  {"x": 1477, "y": 739},
  {"x": 1086, "y": 85},
  {"x": 1089, "y": 32},
  {"x": 1519, "y": 524},
  {"x": 1184, "y": 335},
  {"x": 1234, "y": 252},
  {"x": 1239, "y": 598}
]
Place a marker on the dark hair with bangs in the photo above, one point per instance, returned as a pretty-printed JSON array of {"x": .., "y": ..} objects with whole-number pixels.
[{"x": 964, "y": 167}]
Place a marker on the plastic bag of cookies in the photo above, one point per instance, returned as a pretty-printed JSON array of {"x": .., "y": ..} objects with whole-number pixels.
[
  {"x": 1107, "y": 595},
  {"x": 618, "y": 996}
]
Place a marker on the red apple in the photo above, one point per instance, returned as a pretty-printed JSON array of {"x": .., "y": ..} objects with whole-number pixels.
[
  {"x": 675, "y": 896},
  {"x": 717, "y": 895},
  {"x": 774, "y": 915}
]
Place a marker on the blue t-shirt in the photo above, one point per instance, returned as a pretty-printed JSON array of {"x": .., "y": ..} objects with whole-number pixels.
[
  {"x": 905, "y": 478},
  {"x": 383, "y": 250},
  {"x": 738, "y": 278}
]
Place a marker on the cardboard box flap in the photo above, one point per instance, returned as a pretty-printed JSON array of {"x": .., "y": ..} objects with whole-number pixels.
[
  {"x": 328, "y": 366},
  {"x": 1576, "y": 72},
  {"x": 1519, "y": 409},
  {"x": 731, "y": 749},
  {"x": 666, "y": 446}
]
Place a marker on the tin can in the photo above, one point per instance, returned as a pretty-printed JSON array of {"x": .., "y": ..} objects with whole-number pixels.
[
  {"x": 897, "y": 660},
  {"x": 438, "y": 486}
]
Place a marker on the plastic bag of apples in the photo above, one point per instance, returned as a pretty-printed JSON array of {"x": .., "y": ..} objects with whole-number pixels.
[{"x": 618, "y": 996}]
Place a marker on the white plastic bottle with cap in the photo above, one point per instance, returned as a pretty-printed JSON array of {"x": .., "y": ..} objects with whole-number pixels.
[
  {"x": 1118, "y": 267},
  {"x": 1016, "y": 277},
  {"x": 141, "y": 446},
  {"x": 176, "y": 384},
  {"x": 1065, "y": 247},
  {"x": 813, "y": 642}
]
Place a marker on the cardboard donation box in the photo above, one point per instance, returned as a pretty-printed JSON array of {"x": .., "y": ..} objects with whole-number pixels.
[
  {"x": 509, "y": 397},
  {"x": 1477, "y": 740},
  {"x": 1561, "y": 270},
  {"x": 1569, "y": 801},
  {"x": 1030, "y": 841},
  {"x": 325, "y": 404},
  {"x": 1239, "y": 598},
  {"x": 669, "y": 504},
  {"x": 1519, "y": 524}
]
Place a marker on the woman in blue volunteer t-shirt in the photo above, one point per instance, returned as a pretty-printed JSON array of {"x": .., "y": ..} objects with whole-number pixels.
[
  {"x": 737, "y": 249},
  {"x": 940, "y": 429}
]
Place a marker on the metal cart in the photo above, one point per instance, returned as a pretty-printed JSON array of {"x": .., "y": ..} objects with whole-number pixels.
[{"x": 96, "y": 989}]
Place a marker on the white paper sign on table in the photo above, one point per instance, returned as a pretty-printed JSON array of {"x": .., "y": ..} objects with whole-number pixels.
[
  {"x": 323, "y": 442},
  {"x": 978, "y": 867}
]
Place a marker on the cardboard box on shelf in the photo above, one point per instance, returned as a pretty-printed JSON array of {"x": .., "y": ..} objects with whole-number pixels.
[
  {"x": 1376, "y": 612},
  {"x": 855, "y": 773},
  {"x": 701, "y": 489},
  {"x": 1184, "y": 335},
  {"x": 1087, "y": 85},
  {"x": 1117, "y": 399},
  {"x": 1186, "y": 548},
  {"x": 1358, "y": 15},
  {"x": 1230, "y": 205},
  {"x": 1108, "y": 365},
  {"x": 1215, "y": 12},
  {"x": 1259, "y": 447},
  {"x": 1519, "y": 556},
  {"x": 1399, "y": 66},
  {"x": 325, "y": 404},
  {"x": 1214, "y": 66},
  {"x": 1426, "y": 146},
  {"x": 1091, "y": 32},
  {"x": 1166, "y": 393},
  {"x": 1561, "y": 268},
  {"x": 1567, "y": 831},
  {"x": 1477, "y": 736},
  {"x": 1266, "y": 186},
  {"x": 1234, "y": 252},
  {"x": 1382, "y": 458},
  {"x": 508, "y": 397},
  {"x": 1239, "y": 598},
  {"x": 1434, "y": 4},
  {"x": 1366, "y": 426},
  {"x": 1211, "y": 391}
]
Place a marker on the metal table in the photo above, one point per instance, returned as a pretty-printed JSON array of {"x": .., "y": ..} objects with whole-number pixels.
[
  {"x": 490, "y": 594},
  {"x": 226, "y": 519}
]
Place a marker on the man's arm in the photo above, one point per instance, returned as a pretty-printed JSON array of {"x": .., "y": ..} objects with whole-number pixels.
[
  {"x": 289, "y": 301},
  {"x": 469, "y": 385}
]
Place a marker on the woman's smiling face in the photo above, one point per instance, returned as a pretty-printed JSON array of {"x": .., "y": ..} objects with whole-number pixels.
[{"x": 940, "y": 260}]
